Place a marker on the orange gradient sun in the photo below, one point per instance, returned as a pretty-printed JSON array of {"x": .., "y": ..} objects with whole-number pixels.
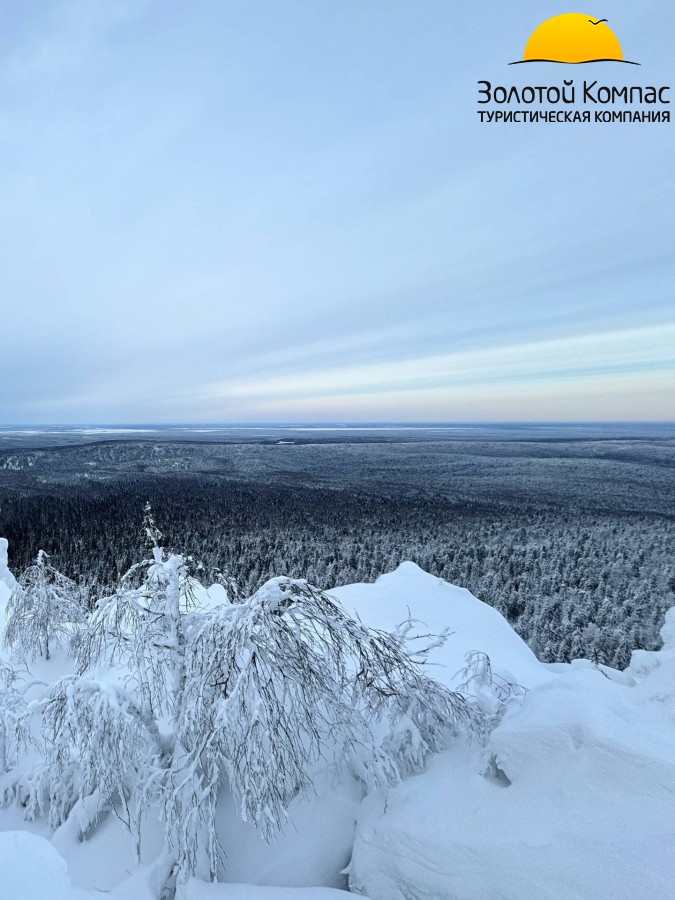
[{"x": 573, "y": 38}]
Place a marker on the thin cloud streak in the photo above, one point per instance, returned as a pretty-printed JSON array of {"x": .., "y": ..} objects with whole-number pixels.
[{"x": 588, "y": 356}]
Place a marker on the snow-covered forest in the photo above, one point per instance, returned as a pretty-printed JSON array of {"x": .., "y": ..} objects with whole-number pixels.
[
  {"x": 181, "y": 736},
  {"x": 572, "y": 581}
]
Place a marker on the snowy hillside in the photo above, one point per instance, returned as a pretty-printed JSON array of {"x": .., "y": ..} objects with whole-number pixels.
[{"x": 572, "y": 795}]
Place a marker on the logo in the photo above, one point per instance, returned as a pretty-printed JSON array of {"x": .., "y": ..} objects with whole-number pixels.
[{"x": 573, "y": 38}]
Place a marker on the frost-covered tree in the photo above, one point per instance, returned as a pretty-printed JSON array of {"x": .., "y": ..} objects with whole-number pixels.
[
  {"x": 494, "y": 692},
  {"x": 12, "y": 710},
  {"x": 153, "y": 536},
  {"x": 42, "y": 609},
  {"x": 169, "y": 704}
]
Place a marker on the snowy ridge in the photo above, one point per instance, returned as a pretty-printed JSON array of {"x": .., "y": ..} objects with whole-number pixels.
[{"x": 573, "y": 795}]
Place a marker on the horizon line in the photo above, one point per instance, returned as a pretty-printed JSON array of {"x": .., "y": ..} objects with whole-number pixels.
[{"x": 335, "y": 423}]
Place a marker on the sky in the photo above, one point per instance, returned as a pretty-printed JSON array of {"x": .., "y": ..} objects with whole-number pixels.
[{"x": 288, "y": 210}]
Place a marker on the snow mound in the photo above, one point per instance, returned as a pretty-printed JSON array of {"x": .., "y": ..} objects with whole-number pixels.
[
  {"x": 33, "y": 870},
  {"x": 474, "y": 625},
  {"x": 573, "y": 797}
]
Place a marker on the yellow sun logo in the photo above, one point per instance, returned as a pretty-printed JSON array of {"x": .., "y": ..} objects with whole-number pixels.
[{"x": 573, "y": 38}]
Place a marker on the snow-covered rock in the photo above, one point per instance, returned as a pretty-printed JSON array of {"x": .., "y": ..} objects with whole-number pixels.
[
  {"x": 7, "y": 579},
  {"x": 410, "y": 591},
  {"x": 654, "y": 671},
  {"x": 573, "y": 798}
]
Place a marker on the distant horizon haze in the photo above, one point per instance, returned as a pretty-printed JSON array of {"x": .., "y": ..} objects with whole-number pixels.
[
  {"x": 43, "y": 437},
  {"x": 318, "y": 423}
]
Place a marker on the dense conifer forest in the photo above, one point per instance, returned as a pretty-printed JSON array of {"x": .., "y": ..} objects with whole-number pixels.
[{"x": 573, "y": 582}]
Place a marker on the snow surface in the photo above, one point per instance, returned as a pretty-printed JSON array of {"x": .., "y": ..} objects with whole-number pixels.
[
  {"x": 197, "y": 890},
  {"x": 577, "y": 799},
  {"x": 31, "y": 869},
  {"x": 573, "y": 798}
]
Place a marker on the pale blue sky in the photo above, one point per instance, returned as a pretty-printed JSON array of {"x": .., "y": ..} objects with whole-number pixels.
[{"x": 285, "y": 210}]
